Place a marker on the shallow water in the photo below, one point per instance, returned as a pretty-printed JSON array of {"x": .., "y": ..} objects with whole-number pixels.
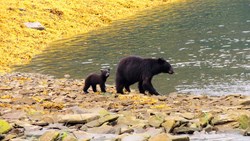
[{"x": 207, "y": 42}]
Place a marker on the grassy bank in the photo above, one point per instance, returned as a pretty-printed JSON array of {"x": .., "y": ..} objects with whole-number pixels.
[{"x": 64, "y": 18}]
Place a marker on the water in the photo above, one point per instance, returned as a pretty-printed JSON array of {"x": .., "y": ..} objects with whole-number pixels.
[{"x": 207, "y": 42}]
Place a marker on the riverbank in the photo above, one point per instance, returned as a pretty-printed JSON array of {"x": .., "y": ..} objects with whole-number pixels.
[
  {"x": 32, "y": 104},
  {"x": 61, "y": 19}
]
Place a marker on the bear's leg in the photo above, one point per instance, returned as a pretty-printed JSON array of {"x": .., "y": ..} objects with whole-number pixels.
[
  {"x": 147, "y": 85},
  {"x": 94, "y": 88},
  {"x": 103, "y": 88},
  {"x": 86, "y": 87},
  {"x": 119, "y": 84},
  {"x": 127, "y": 88},
  {"x": 141, "y": 90}
]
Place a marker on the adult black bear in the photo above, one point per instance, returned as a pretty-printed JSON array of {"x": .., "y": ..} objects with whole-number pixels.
[
  {"x": 134, "y": 69},
  {"x": 94, "y": 79}
]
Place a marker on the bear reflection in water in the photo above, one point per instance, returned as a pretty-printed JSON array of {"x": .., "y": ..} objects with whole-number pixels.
[{"x": 134, "y": 69}]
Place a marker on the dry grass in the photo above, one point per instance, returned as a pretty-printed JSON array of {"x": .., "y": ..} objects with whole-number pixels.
[{"x": 62, "y": 18}]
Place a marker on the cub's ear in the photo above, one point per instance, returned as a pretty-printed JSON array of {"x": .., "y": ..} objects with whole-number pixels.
[{"x": 161, "y": 60}]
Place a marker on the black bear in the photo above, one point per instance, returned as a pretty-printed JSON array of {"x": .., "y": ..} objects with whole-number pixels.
[
  {"x": 94, "y": 79},
  {"x": 134, "y": 69}
]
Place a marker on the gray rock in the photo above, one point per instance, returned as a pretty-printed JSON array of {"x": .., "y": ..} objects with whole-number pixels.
[{"x": 34, "y": 25}]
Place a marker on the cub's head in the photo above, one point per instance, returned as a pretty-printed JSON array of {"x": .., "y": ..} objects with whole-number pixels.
[
  {"x": 165, "y": 66},
  {"x": 105, "y": 72}
]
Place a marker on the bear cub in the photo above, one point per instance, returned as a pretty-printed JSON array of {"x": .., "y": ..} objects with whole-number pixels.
[
  {"x": 94, "y": 79},
  {"x": 134, "y": 69}
]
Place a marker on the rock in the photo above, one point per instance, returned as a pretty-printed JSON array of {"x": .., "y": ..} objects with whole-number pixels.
[
  {"x": 36, "y": 133},
  {"x": 135, "y": 137},
  {"x": 247, "y": 132},
  {"x": 153, "y": 131},
  {"x": 179, "y": 138},
  {"x": 5, "y": 127},
  {"x": 155, "y": 121},
  {"x": 210, "y": 128},
  {"x": 34, "y": 25},
  {"x": 104, "y": 129},
  {"x": 28, "y": 127},
  {"x": 221, "y": 119},
  {"x": 94, "y": 123},
  {"x": 245, "y": 102},
  {"x": 78, "y": 118},
  {"x": 205, "y": 120},
  {"x": 40, "y": 123},
  {"x": 168, "y": 137},
  {"x": 128, "y": 120},
  {"x": 244, "y": 121},
  {"x": 69, "y": 137},
  {"x": 184, "y": 130},
  {"x": 108, "y": 118},
  {"x": 14, "y": 115},
  {"x": 9, "y": 137},
  {"x": 84, "y": 136},
  {"x": 188, "y": 116},
  {"x": 100, "y": 121},
  {"x": 169, "y": 125},
  {"x": 49, "y": 136},
  {"x": 160, "y": 137}
]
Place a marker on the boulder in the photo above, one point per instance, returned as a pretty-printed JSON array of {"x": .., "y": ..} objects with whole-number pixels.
[{"x": 4, "y": 127}]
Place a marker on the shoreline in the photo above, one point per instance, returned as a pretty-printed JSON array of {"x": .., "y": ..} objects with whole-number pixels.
[
  {"x": 61, "y": 19},
  {"x": 33, "y": 104}
]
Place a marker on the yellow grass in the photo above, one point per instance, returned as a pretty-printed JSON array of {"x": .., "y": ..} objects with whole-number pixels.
[{"x": 62, "y": 18}]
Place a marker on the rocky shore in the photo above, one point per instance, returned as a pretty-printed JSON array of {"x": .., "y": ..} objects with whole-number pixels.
[{"x": 41, "y": 107}]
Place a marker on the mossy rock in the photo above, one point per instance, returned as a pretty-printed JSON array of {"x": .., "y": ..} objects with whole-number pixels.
[
  {"x": 4, "y": 127},
  {"x": 244, "y": 121}
]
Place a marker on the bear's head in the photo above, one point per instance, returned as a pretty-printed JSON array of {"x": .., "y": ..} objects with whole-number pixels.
[
  {"x": 165, "y": 66},
  {"x": 105, "y": 72}
]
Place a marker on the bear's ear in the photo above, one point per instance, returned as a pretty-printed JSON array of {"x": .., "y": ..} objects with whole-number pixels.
[{"x": 161, "y": 60}]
